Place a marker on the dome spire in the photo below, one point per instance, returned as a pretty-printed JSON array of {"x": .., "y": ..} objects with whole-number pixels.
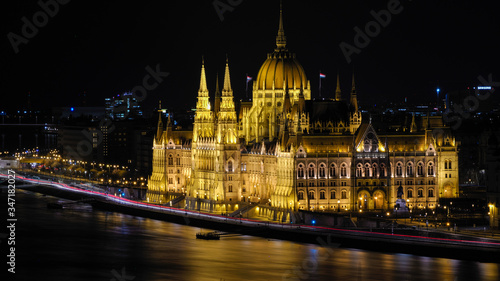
[{"x": 281, "y": 38}]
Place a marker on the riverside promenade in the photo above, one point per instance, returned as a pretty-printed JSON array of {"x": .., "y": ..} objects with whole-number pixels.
[{"x": 399, "y": 241}]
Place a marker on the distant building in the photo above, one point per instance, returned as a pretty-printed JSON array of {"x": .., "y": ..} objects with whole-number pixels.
[
  {"x": 123, "y": 107},
  {"x": 9, "y": 163},
  {"x": 288, "y": 152}
]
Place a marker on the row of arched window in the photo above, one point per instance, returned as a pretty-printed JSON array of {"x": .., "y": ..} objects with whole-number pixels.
[
  {"x": 420, "y": 193},
  {"x": 410, "y": 170},
  {"x": 366, "y": 170},
  {"x": 322, "y": 170},
  {"x": 322, "y": 194},
  {"x": 370, "y": 170}
]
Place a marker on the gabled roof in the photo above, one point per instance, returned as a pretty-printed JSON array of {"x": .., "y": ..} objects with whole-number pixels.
[{"x": 363, "y": 130}]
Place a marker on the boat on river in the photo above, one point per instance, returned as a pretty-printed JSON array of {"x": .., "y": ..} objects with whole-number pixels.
[{"x": 208, "y": 235}]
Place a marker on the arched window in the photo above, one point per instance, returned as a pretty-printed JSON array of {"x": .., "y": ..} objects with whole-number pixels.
[
  {"x": 170, "y": 159},
  {"x": 367, "y": 170},
  {"x": 430, "y": 169},
  {"x": 382, "y": 171},
  {"x": 343, "y": 170},
  {"x": 449, "y": 164},
  {"x": 322, "y": 194},
  {"x": 399, "y": 169},
  {"x": 300, "y": 171},
  {"x": 420, "y": 169},
  {"x": 410, "y": 193},
  {"x": 230, "y": 188},
  {"x": 332, "y": 194},
  {"x": 359, "y": 170},
  {"x": 311, "y": 170},
  {"x": 333, "y": 171},
  {"x": 322, "y": 170},
  {"x": 344, "y": 194},
  {"x": 374, "y": 170},
  {"x": 230, "y": 166},
  {"x": 409, "y": 169},
  {"x": 430, "y": 193},
  {"x": 420, "y": 192},
  {"x": 300, "y": 196},
  {"x": 311, "y": 194}
]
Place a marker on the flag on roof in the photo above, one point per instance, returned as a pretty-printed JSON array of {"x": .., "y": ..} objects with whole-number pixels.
[{"x": 321, "y": 75}]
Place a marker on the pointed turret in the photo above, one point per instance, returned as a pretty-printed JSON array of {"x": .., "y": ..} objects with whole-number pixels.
[
  {"x": 338, "y": 93},
  {"x": 226, "y": 117},
  {"x": 413, "y": 126},
  {"x": 354, "y": 99},
  {"x": 203, "y": 91},
  {"x": 281, "y": 38},
  {"x": 227, "y": 81},
  {"x": 203, "y": 123},
  {"x": 159, "y": 130}
]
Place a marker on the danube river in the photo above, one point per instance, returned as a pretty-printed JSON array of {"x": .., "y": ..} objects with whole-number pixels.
[{"x": 85, "y": 244}]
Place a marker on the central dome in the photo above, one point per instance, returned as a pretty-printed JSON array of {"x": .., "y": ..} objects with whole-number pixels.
[{"x": 281, "y": 66}]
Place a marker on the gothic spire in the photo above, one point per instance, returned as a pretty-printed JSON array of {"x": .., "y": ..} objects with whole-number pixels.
[
  {"x": 227, "y": 81},
  {"x": 159, "y": 130},
  {"x": 413, "y": 126},
  {"x": 354, "y": 99},
  {"x": 203, "y": 91},
  {"x": 281, "y": 38},
  {"x": 338, "y": 93}
]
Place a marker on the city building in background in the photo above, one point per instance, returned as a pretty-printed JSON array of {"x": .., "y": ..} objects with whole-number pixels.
[{"x": 123, "y": 107}]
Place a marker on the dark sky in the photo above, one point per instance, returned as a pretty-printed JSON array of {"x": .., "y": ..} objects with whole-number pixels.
[{"x": 103, "y": 47}]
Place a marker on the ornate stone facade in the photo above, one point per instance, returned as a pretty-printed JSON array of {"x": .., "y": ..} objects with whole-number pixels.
[{"x": 288, "y": 152}]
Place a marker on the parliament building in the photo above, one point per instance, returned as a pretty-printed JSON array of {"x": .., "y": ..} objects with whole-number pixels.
[{"x": 284, "y": 152}]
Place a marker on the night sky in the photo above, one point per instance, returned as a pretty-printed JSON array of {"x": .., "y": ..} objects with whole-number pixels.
[{"x": 103, "y": 48}]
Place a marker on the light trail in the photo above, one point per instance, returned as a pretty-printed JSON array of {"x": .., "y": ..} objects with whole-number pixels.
[{"x": 196, "y": 214}]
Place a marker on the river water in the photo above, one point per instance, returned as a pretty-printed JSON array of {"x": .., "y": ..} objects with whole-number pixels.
[{"x": 85, "y": 244}]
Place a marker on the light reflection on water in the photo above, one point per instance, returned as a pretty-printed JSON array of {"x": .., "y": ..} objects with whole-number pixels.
[{"x": 85, "y": 244}]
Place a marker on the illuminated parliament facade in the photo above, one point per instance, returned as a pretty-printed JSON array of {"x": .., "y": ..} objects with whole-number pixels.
[{"x": 285, "y": 152}]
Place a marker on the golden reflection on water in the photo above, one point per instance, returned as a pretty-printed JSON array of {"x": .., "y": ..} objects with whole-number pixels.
[{"x": 156, "y": 250}]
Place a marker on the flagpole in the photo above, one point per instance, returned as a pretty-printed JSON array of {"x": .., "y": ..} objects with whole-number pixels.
[{"x": 246, "y": 88}]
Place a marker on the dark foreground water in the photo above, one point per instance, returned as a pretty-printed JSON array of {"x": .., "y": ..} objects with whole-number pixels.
[{"x": 85, "y": 244}]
